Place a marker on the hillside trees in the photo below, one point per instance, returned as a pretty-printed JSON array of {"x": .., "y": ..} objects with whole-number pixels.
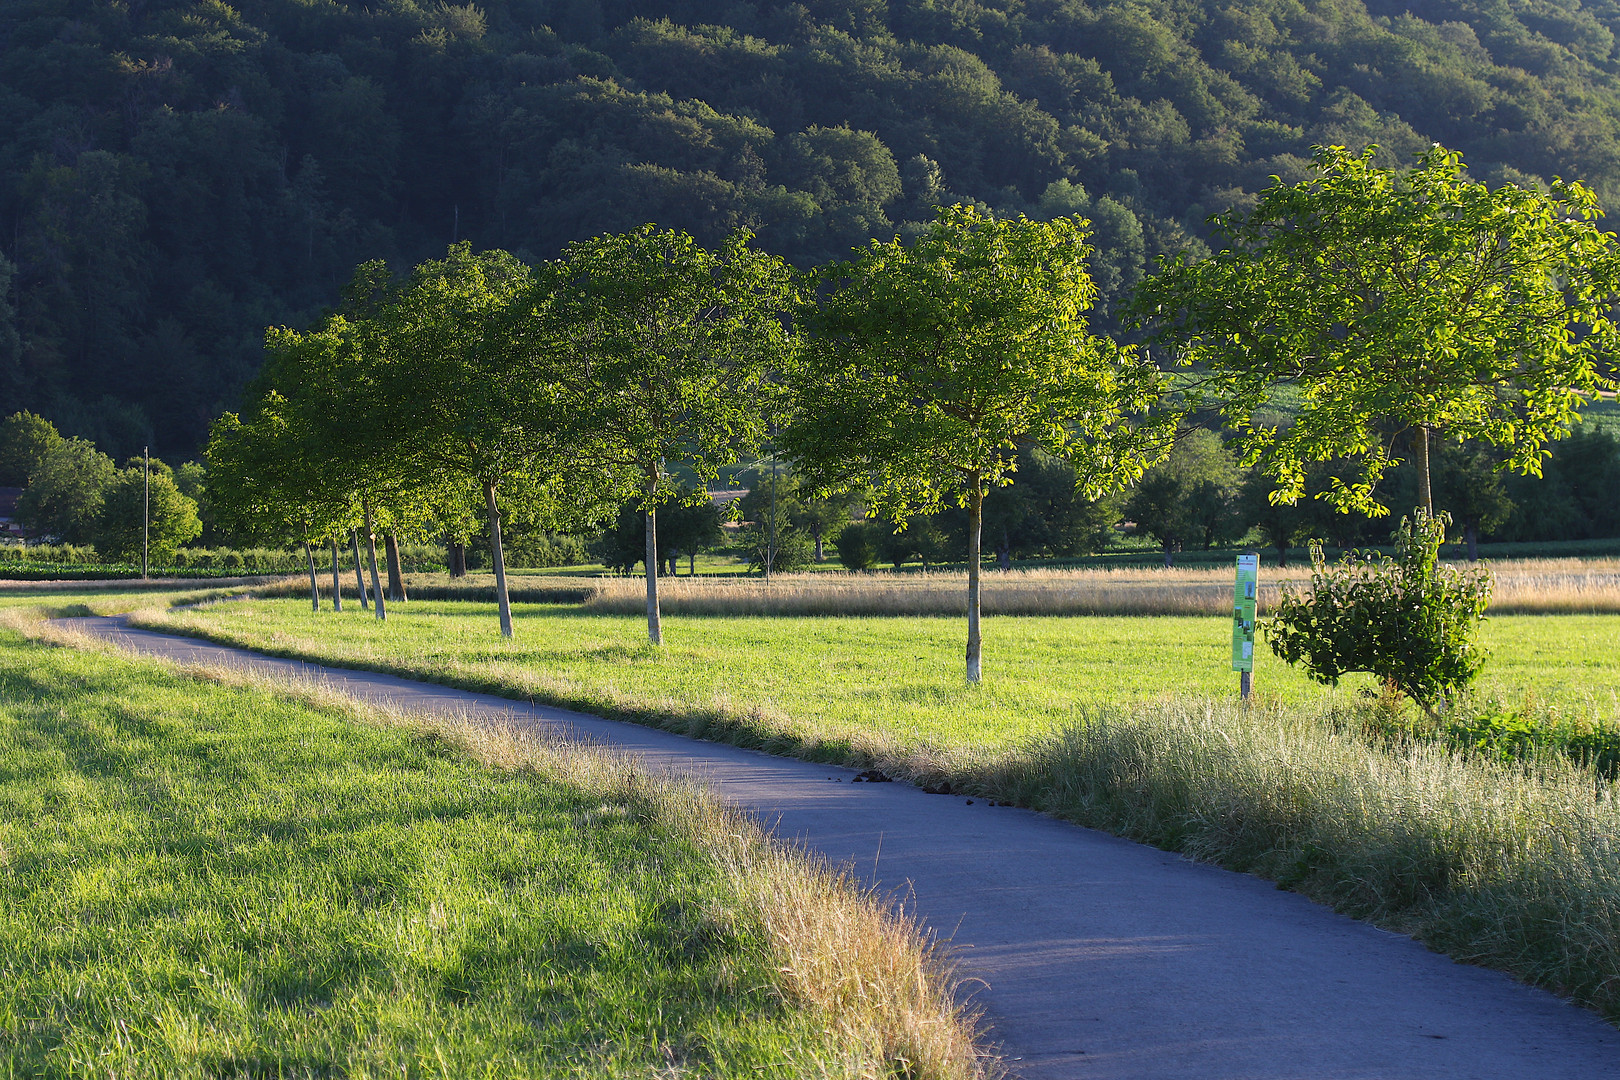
[
  {"x": 661, "y": 351},
  {"x": 1419, "y": 303},
  {"x": 928, "y": 365}
]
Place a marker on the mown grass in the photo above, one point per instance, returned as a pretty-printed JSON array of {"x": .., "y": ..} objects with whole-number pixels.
[
  {"x": 202, "y": 877},
  {"x": 857, "y": 688}
]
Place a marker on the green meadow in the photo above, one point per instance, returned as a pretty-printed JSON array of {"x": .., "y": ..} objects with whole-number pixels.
[
  {"x": 202, "y": 877},
  {"x": 825, "y": 686}
]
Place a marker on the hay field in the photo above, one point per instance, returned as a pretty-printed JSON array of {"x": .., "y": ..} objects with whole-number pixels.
[{"x": 1523, "y": 587}]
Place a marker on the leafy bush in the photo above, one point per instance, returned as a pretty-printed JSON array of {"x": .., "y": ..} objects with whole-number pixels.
[
  {"x": 1409, "y": 621},
  {"x": 857, "y": 545},
  {"x": 792, "y": 549}
]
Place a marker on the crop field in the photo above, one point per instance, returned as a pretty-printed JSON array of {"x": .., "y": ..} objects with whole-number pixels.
[
  {"x": 851, "y": 684},
  {"x": 204, "y": 877}
]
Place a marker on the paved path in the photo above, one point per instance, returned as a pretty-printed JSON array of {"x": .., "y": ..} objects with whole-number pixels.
[{"x": 1102, "y": 958}]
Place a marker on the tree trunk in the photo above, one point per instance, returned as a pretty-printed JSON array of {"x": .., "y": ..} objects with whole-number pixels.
[
  {"x": 314, "y": 589},
  {"x": 396, "y": 579},
  {"x": 1169, "y": 559},
  {"x": 450, "y": 557},
  {"x": 655, "y": 624},
  {"x": 821, "y": 547},
  {"x": 1004, "y": 552},
  {"x": 975, "y": 645},
  {"x": 371, "y": 555},
  {"x": 1425, "y": 496},
  {"x": 502, "y": 601},
  {"x": 359, "y": 575},
  {"x": 337, "y": 582},
  {"x": 1282, "y": 554},
  {"x": 691, "y": 564},
  {"x": 1471, "y": 535}
]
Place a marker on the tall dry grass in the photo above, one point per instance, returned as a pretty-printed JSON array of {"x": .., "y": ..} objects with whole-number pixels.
[
  {"x": 1511, "y": 867},
  {"x": 867, "y": 969},
  {"x": 1530, "y": 586}
]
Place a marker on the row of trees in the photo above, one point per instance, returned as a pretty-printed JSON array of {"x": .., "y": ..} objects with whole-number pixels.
[{"x": 1397, "y": 308}]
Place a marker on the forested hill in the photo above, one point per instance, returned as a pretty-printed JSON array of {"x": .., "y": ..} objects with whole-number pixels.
[{"x": 180, "y": 173}]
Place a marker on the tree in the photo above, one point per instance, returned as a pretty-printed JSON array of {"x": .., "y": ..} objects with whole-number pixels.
[
  {"x": 1190, "y": 497},
  {"x": 857, "y": 545},
  {"x": 1417, "y": 302},
  {"x": 1469, "y": 486},
  {"x": 269, "y": 479},
  {"x": 929, "y": 364},
  {"x": 65, "y": 492},
  {"x": 135, "y": 507},
  {"x": 661, "y": 352},
  {"x": 1046, "y": 514},
  {"x": 25, "y": 440},
  {"x": 465, "y": 404}
]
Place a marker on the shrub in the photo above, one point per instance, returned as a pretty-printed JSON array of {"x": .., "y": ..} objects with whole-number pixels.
[
  {"x": 1408, "y": 621},
  {"x": 857, "y": 546},
  {"x": 790, "y": 551}
]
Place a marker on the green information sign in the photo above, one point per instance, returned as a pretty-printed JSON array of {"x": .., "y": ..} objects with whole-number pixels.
[{"x": 1243, "y": 603}]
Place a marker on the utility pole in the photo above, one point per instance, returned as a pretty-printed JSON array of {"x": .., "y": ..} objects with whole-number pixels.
[
  {"x": 146, "y": 507},
  {"x": 770, "y": 542}
]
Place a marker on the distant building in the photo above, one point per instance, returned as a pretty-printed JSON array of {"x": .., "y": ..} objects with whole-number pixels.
[{"x": 723, "y": 499}]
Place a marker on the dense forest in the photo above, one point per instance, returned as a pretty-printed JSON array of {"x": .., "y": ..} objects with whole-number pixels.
[{"x": 178, "y": 174}]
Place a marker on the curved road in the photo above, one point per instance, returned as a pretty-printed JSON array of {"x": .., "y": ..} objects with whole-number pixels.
[{"x": 1100, "y": 958}]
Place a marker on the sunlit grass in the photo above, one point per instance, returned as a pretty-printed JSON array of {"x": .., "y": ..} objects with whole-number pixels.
[
  {"x": 207, "y": 878},
  {"x": 842, "y": 683}
]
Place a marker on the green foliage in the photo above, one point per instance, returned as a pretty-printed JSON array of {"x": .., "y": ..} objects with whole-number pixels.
[
  {"x": 25, "y": 441},
  {"x": 929, "y": 364},
  {"x": 858, "y": 545},
  {"x": 127, "y": 503},
  {"x": 64, "y": 494},
  {"x": 1191, "y": 497},
  {"x": 1419, "y": 301},
  {"x": 785, "y": 552},
  {"x": 1408, "y": 621}
]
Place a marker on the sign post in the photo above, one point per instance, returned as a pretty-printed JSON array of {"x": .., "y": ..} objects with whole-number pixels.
[{"x": 1243, "y": 608}]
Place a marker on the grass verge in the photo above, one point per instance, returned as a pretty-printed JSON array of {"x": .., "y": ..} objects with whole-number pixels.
[
  {"x": 1499, "y": 863},
  {"x": 202, "y": 875}
]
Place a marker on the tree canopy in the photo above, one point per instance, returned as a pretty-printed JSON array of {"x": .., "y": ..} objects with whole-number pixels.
[
  {"x": 929, "y": 364},
  {"x": 1397, "y": 303}
]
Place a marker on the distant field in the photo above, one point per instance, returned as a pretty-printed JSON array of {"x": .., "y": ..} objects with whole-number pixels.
[
  {"x": 844, "y": 683},
  {"x": 208, "y": 878},
  {"x": 1525, "y": 586}
]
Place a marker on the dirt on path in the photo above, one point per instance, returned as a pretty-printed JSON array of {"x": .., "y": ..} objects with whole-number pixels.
[{"x": 1098, "y": 958}]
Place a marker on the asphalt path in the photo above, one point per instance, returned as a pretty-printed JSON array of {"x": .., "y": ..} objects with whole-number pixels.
[{"x": 1095, "y": 957}]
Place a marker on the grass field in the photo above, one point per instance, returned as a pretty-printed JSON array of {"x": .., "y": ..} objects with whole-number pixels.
[
  {"x": 836, "y": 687},
  {"x": 202, "y": 877}
]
